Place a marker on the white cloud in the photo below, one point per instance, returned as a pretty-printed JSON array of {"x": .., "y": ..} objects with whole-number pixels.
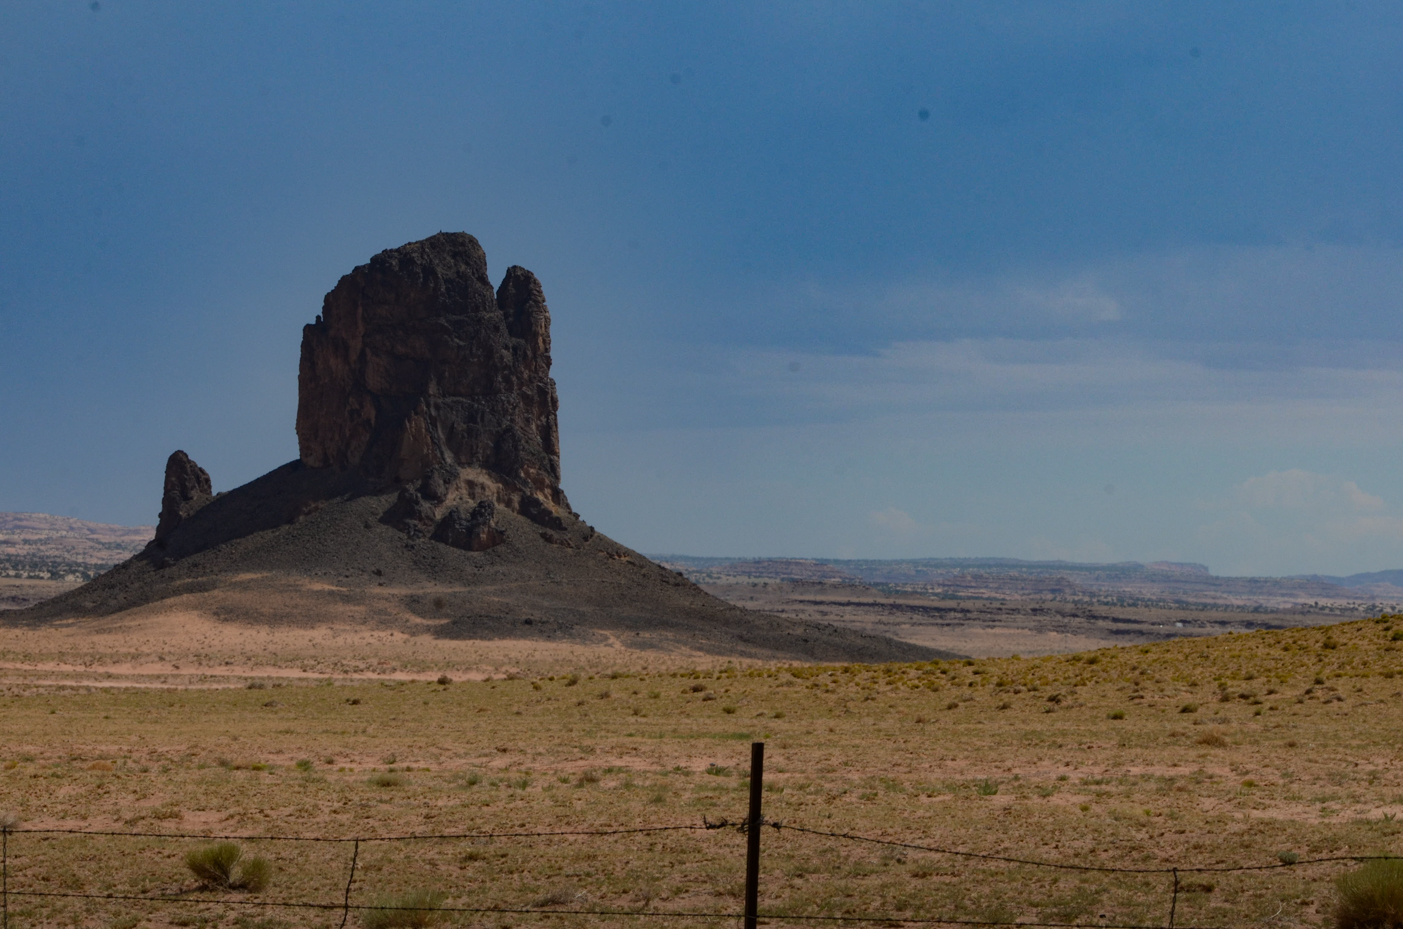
[
  {"x": 897, "y": 522},
  {"x": 1300, "y": 490},
  {"x": 1082, "y": 376},
  {"x": 1075, "y": 300},
  {"x": 1302, "y": 517},
  {"x": 1232, "y": 294}
]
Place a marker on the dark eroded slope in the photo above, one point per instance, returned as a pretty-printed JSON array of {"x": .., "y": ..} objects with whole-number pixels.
[{"x": 310, "y": 546}]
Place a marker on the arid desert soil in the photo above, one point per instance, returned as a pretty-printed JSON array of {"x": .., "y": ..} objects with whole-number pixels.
[
  {"x": 174, "y": 649},
  {"x": 1242, "y": 749},
  {"x": 16, "y": 593},
  {"x": 1014, "y": 626}
]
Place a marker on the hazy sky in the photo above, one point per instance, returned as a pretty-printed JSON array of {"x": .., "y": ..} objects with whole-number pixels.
[{"x": 1100, "y": 281}]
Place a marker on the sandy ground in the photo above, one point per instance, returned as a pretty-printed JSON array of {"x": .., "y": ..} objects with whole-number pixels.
[
  {"x": 172, "y": 648},
  {"x": 152, "y": 641},
  {"x": 17, "y": 593},
  {"x": 1228, "y": 750}
]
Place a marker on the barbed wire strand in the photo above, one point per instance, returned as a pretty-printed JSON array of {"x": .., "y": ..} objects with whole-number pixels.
[
  {"x": 642, "y": 914},
  {"x": 708, "y": 825},
  {"x": 410, "y": 837},
  {"x": 299, "y": 905},
  {"x": 1107, "y": 869}
]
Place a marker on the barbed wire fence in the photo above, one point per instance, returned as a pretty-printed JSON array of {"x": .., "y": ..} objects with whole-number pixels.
[{"x": 751, "y": 827}]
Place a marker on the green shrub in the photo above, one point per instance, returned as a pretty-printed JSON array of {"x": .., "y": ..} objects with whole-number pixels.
[
  {"x": 1371, "y": 897},
  {"x": 254, "y": 875},
  {"x": 405, "y": 911},
  {"x": 386, "y": 780},
  {"x": 223, "y": 865},
  {"x": 214, "y": 864}
]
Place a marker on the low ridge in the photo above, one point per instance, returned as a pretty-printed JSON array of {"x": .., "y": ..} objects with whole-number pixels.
[{"x": 427, "y": 495}]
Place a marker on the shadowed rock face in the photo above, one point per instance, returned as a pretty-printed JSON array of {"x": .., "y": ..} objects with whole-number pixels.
[
  {"x": 187, "y": 489},
  {"x": 418, "y": 373}
]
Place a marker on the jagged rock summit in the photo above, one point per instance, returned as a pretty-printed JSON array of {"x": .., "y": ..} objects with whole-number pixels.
[
  {"x": 187, "y": 488},
  {"x": 418, "y": 372},
  {"x": 426, "y": 495}
]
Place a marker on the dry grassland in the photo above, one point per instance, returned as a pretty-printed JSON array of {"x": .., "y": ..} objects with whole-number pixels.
[{"x": 1242, "y": 749}]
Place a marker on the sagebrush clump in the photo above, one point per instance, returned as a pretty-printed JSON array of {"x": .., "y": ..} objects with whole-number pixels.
[
  {"x": 413, "y": 910},
  {"x": 386, "y": 779},
  {"x": 1371, "y": 897},
  {"x": 223, "y": 865}
]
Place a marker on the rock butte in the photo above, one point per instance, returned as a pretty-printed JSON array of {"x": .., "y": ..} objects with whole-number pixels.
[
  {"x": 426, "y": 495},
  {"x": 418, "y": 372}
]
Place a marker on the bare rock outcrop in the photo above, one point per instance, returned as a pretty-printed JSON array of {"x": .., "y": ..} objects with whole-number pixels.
[
  {"x": 187, "y": 490},
  {"x": 418, "y": 373},
  {"x": 473, "y": 531}
]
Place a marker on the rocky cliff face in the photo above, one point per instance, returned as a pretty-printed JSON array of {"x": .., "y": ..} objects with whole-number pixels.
[
  {"x": 418, "y": 373},
  {"x": 187, "y": 489}
]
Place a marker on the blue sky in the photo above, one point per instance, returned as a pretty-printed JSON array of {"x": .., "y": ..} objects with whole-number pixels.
[{"x": 1098, "y": 281}]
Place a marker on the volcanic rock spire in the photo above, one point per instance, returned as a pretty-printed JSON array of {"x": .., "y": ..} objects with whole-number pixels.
[
  {"x": 187, "y": 488},
  {"x": 418, "y": 373}
]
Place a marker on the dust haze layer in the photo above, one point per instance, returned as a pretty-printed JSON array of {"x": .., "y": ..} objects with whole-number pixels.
[{"x": 427, "y": 496}]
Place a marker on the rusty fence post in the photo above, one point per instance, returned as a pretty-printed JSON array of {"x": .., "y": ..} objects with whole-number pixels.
[{"x": 752, "y": 834}]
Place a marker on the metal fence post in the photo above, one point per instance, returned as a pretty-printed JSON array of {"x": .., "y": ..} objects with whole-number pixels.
[{"x": 752, "y": 834}]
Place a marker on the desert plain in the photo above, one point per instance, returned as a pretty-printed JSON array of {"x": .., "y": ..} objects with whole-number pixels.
[{"x": 1253, "y": 749}]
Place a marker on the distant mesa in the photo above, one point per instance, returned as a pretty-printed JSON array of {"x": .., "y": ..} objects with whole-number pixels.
[
  {"x": 1158, "y": 584},
  {"x": 427, "y": 493},
  {"x": 63, "y": 549},
  {"x": 1179, "y": 567}
]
